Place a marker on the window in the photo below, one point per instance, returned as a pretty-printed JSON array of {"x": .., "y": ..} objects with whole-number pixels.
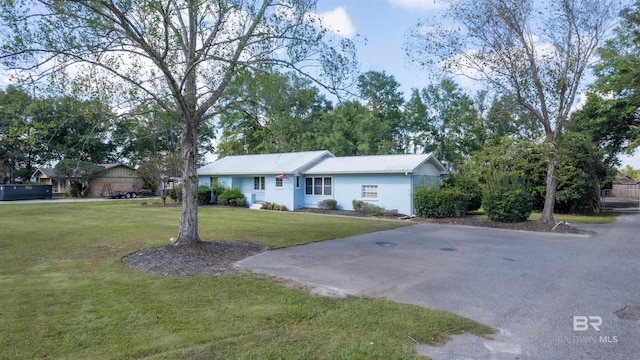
[
  {"x": 327, "y": 186},
  {"x": 278, "y": 183},
  {"x": 213, "y": 180},
  {"x": 309, "y": 186},
  {"x": 297, "y": 182},
  {"x": 318, "y": 186},
  {"x": 370, "y": 192},
  {"x": 258, "y": 183}
]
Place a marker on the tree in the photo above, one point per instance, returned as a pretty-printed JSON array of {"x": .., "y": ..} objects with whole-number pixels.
[
  {"x": 536, "y": 56},
  {"x": 157, "y": 169},
  {"x": 77, "y": 129},
  {"x": 445, "y": 120},
  {"x": 339, "y": 132},
  {"x": 506, "y": 118},
  {"x": 381, "y": 131},
  {"x": 583, "y": 171},
  {"x": 24, "y": 134},
  {"x": 631, "y": 172},
  {"x": 508, "y": 155},
  {"x": 272, "y": 112},
  {"x": 150, "y": 130},
  {"x": 37, "y": 130},
  {"x": 147, "y": 131},
  {"x": 615, "y": 95},
  {"x": 181, "y": 54}
]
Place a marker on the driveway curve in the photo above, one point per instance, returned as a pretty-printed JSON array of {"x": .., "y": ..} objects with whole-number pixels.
[{"x": 538, "y": 290}]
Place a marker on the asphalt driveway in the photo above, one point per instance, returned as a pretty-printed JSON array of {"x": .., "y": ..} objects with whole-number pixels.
[{"x": 538, "y": 290}]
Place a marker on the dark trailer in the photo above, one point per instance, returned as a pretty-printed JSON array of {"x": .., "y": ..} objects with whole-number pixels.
[{"x": 24, "y": 192}]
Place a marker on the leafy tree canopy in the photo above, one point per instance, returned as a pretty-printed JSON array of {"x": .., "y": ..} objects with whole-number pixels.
[{"x": 180, "y": 54}]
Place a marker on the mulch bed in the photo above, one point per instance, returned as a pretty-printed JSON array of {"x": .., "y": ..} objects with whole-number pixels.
[
  {"x": 204, "y": 258},
  {"x": 538, "y": 226},
  {"x": 530, "y": 225}
]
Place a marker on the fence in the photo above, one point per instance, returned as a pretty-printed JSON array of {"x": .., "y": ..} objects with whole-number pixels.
[{"x": 626, "y": 191}]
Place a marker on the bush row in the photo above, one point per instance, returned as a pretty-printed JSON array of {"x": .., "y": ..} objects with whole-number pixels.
[
  {"x": 204, "y": 195},
  {"x": 433, "y": 202},
  {"x": 504, "y": 199}
]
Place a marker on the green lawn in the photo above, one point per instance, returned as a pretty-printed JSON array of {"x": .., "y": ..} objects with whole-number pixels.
[
  {"x": 578, "y": 219},
  {"x": 571, "y": 219},
  {"x": 65, "y": 294}
]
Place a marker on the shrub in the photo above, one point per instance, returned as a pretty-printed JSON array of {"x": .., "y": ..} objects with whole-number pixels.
[
  {"x": 175, "y": 193},
  {"x": 328, "y": 204},
  {"x": 216, "y": 191},
  {"x": 373, "y": 210},
  {"x": 357, "y": 205},
  {"x": 367, "y": 208},
  {"x": 233, "y": 197},
  {"x": 240, "y": 202},
  {"x": 467, "y": 186},
  {"x": 432, "y": 202},
  {"x": 203, "y": 194},
  {"x": 272, "y": 206},
  {"x": 507, "y": 206},
  {"x": 506, "y": 199}
]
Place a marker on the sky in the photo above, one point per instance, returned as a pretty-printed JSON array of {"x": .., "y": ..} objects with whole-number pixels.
[{"x": 379, "y": 29}]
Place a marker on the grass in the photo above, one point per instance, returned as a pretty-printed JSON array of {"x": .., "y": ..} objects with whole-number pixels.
[
  {"x": 571, "y": 219},
  {"x": 65, "y": 294},
  {"x": 578, "y": 219}
]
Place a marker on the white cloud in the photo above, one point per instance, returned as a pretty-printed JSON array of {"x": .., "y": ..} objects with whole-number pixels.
[
  {"x": 4, "y": 79},
  {"x": 420, "y": 4},
  {"x": 337, "y": 21}
]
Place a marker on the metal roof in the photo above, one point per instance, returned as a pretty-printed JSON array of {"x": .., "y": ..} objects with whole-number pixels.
[
  {"x": 264, "y": 164},
  {"x": 375, "y": 164}
]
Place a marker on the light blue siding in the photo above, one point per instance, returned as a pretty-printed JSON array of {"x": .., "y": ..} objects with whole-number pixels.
[
  {"x": 298, "y": 192},
  {"x": 288, "y": 195},
  {"x": 281, "y": 196},
  {"x": 394, "y": 192}
]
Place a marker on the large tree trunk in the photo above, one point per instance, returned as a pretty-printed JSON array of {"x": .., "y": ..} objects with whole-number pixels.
[
  {"x": 595, "y": 192},
  {"x": 188, "y": 232},
  {"x": 552, "y": 185}
]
